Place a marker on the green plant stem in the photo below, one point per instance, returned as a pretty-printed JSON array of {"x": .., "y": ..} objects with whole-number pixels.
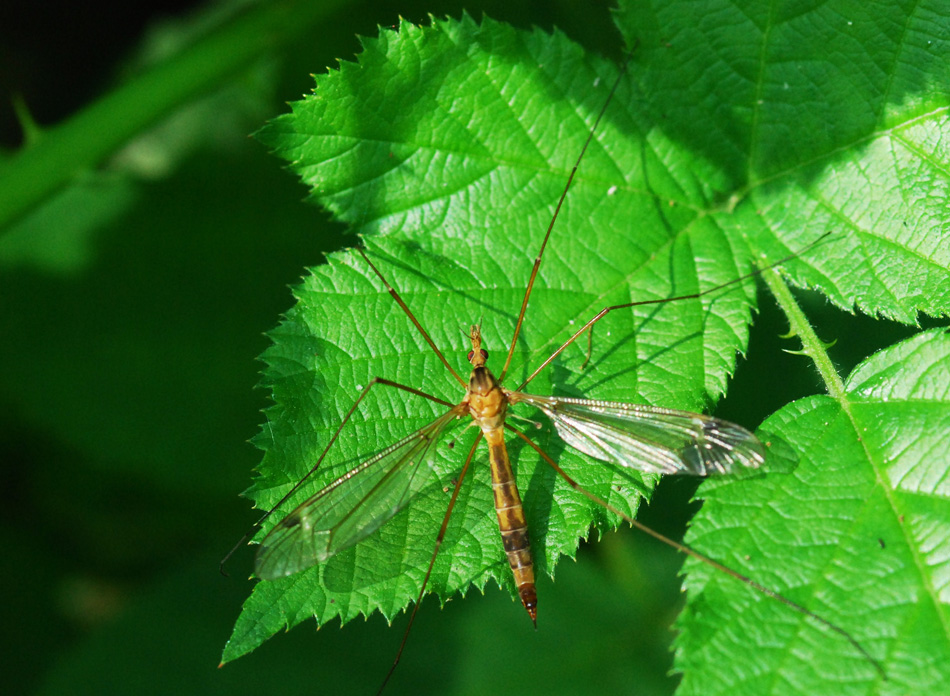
[
  {"x": 85, "y": 139},
  {"x": 812, "y": 346}
]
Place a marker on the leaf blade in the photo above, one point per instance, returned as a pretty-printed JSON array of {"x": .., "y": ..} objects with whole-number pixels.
[
  {"x": 693, "y": 214},
  {"x": 837, "y": 535}
]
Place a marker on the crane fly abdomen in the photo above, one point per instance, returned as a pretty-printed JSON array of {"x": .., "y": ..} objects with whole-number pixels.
[{"x": 511, "y": 522}]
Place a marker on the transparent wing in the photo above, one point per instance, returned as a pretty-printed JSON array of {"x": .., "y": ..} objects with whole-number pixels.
[
  {"x": 352, "y": 507},
  {"x": 645, "y": 438}
]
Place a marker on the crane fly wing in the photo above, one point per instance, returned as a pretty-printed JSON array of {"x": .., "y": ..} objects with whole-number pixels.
[
  {"x": 354, "y": 506},
  {"x": 650, "y": 439}
]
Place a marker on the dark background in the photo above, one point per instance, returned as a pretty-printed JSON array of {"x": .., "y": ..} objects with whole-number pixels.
[{"x": 129, "y": 337}]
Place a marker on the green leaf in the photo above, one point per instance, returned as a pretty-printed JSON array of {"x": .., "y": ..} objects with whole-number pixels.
[
  {"x": 858, "y": 532},
  {"x": 448, "y": 148}
]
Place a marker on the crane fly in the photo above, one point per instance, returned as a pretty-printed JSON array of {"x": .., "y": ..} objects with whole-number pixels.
[
  {"x": 636, "y": 437},
  {"x": 648, "y": 439}
]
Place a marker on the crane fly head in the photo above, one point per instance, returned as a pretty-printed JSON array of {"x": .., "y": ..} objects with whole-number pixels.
[
  {"x": 477, "y": 355},
  {"x": 483, "y": 389}
]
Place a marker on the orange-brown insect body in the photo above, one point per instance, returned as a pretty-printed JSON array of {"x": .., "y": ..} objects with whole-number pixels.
[{"x": 488, "y": 403}]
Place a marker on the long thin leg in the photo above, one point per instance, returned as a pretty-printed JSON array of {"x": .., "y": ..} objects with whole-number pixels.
[
  {"x": 557, "y": 209},
  {"x": 606, "y": 310},
  {"x": 412, "y": 318},
  {"x": 682, "y": 548},
  {"x": 435, "y": 552},
  {"x": 373, "y": 382}
]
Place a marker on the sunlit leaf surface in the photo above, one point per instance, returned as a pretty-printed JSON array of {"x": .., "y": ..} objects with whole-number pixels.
[{"x": 448, "y": 148}]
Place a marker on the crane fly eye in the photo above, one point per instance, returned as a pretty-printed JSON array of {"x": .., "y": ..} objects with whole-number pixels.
[
  {"x": 471, "y": 354},
  {"x": 481, "y": 351},
  {"x": 484, "y": 353}
]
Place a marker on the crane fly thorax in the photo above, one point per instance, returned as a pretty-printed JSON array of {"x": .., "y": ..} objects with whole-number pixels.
[{"x": 487, "y": 401}]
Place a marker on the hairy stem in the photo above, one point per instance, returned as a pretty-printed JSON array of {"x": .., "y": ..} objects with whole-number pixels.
[{"x": 812, "y": 346}]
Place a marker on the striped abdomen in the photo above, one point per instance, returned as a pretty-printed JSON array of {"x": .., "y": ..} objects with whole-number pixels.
[{"x": 511, "y": 521}]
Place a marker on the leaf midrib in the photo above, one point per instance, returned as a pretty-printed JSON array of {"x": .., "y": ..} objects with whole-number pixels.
[{"x": 815, "y": 349}]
